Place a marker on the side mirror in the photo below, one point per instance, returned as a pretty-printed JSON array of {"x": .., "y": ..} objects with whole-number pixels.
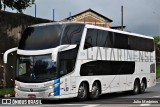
[
  {"x": 5, "y": 56},
  {"x": 61, "y": 48}
]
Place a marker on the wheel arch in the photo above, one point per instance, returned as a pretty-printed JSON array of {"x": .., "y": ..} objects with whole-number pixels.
[
  {"x": 145, "y": 81},
  {"x": 137, "y": 79},
  {"x": 83, "y": 81}
]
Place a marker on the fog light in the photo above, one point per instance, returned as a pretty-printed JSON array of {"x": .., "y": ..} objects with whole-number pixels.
[
  {"x": 51, "y": 94},
  {"x": 16, "y": 94}
]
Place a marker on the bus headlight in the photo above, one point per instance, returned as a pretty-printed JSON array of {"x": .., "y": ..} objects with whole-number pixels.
[
  {"x": 16, "y": 87},
  {"x": 50, "y": 87}
]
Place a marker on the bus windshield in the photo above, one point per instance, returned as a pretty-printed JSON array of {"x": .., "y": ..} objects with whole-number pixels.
[
  {"x": 40, "y": 68},
  {"x": 50, "y": 36},
  {"x": 36, "y": 68}
]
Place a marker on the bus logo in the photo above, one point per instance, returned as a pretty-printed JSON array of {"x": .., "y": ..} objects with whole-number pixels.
[{"x": 31, "y": 90}]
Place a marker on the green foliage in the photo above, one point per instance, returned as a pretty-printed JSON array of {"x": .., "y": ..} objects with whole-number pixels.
[
  {"x": 19, "y": 5},
  {"x": 158, "y": 70},
  {"x": 6, "y": 91},
  {"x": 157, "y": 40}
]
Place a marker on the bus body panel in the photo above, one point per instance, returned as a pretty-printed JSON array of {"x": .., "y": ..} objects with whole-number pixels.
[{"x": 67, "y": 86}]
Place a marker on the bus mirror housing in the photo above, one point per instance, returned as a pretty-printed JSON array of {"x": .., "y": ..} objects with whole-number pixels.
[
  {"x": 61, "y": 48},
  {"x": 5, "y": 56}
]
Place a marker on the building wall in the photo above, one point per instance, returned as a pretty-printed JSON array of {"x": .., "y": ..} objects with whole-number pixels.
[
  {"x": 11, "y": 27},
  {"x": 90, "y": 18}
]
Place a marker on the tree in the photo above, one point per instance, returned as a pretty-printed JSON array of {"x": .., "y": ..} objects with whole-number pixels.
[
  {"x": 157, "y": 40},
  {"x": 157, "y": 47},
  {"x": 19, "y": 5}
]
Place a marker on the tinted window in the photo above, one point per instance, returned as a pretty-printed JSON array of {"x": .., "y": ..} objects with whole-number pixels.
[
  {"x": 107, "y": 68},
  {"x": 142, "y": 44},
  {"x": 152, "y": 68},
  {"x": 67, "y": 61},
  {"x": 104, "y": 39},
  {"x": 41, "y": 37},
  {"x": 98, "y": 38},
  {"x": 35, "y": 68},
  {"x": 72, "y": 34},
  {"x": 50, "y": 36},
  {"x": 121, "y": 41},
  {"x": 101, "y": 38},
  {"x": 91, "y": 38}
]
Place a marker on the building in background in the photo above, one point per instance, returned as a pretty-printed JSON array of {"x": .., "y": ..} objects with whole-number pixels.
[{"x": 90, "y": 17}]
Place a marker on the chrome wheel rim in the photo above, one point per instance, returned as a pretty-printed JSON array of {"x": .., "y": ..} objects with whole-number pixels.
[
  {"x": 82, "y": 91},
  {"x": 142, "y": 87},
  {"x": 95, "y": 90}
]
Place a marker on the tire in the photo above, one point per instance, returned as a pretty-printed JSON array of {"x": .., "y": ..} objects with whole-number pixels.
[
  {"x": 136, "y": 88},
  {"x": 95, "y": 92},
  {"x": 142, "y": 87},
  {"x": 82, "y": 92}
]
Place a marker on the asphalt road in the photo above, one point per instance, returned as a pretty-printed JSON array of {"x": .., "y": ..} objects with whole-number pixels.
[
  {"x": 123, "y": 99},
  {"x": 151, "y": 95}
]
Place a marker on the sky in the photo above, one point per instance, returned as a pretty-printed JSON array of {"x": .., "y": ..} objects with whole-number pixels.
[{"x": 140, "y": 16}]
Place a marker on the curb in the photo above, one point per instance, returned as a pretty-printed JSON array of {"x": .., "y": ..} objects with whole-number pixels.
[
  {"x": 158, "y": 80},
  {"x": 6, "y": 96}
]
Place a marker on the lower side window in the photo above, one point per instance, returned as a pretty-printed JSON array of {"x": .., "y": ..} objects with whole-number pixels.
[{"x": 107, "y": 68}]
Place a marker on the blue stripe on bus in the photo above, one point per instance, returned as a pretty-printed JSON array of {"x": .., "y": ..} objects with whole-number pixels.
[{"x": 57, "y": 89}]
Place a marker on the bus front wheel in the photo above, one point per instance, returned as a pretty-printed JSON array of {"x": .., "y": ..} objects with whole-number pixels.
[
  {"x": 95, "y": 92},
  {"x": 82, "y": 92}
]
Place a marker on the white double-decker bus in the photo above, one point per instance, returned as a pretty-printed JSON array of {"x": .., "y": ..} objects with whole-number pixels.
[{"x": 65, "y": 60}]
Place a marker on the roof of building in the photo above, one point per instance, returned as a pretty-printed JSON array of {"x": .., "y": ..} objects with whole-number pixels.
[{"x": 90, "y": 10}]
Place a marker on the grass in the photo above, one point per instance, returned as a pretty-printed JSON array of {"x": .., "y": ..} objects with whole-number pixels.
[
  {"x": 158, "y": 70},
  {"x": 6, "y": 91}
]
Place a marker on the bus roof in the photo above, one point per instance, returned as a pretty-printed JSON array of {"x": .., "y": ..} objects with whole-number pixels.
[
  {"x": 94, "y": 27},
  {"x": 53, "y": 23},
  {"x": 118, "y": 31}
]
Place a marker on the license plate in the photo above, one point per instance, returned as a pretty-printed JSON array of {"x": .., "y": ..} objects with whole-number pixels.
[{"x": 31, "y": 96}]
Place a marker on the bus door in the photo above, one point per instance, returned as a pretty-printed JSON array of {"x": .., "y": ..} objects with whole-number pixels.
[{"x": 65, "y": 79}]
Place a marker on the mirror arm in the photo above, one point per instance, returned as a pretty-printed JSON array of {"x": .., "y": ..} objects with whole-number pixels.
[
  {"x": 6, "y": 54},
  {"x": 61, "y": 48}
]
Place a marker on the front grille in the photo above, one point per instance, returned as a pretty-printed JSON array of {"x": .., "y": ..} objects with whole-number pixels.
[{"x": 32, "y": 89}]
